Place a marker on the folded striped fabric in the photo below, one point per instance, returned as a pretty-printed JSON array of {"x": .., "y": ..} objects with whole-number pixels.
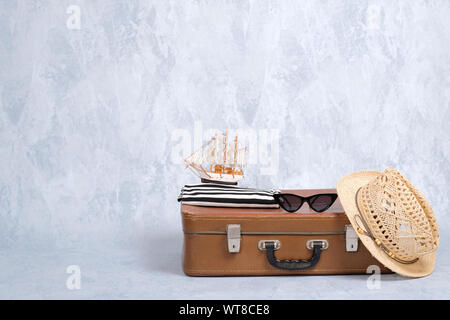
[{"x": 220, "y": 195}]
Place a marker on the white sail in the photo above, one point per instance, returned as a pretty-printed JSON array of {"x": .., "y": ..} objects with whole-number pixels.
[
  {"x": 220, "y": 150},
  {"x": 210, "y": 152},
  {"x": 196, "y": 158},
  {"x": 199, "y": 156},
  {"x": 219, "y": 158},
  {"x": 240, "y": 157},
  {"x": 230, "y": 156}
]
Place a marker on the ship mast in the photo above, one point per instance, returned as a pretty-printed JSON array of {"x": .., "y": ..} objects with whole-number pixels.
[
  {"x": 225, "y": 142},
  {"x": 235, "y": 153},
  {"x": 213, "y": 151}
]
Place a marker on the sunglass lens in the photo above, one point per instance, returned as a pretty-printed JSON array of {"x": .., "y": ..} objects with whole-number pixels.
[
  {"x": 321, "y": 202},
  {"x": 290, "y": 202}
]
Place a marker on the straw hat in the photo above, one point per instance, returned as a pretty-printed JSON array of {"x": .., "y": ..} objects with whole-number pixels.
[{"x": 393, "y": 219}]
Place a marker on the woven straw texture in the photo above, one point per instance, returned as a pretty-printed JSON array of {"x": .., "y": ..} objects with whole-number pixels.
[
  {"x": 399, "y": 215},
  {"x": 399, "y": 227}
]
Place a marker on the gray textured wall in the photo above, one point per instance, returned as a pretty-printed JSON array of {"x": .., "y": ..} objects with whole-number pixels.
[{"x": 87, "y": 115}]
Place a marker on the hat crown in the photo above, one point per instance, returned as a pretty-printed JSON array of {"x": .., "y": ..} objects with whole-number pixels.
[{"x": 399, "y": 215}]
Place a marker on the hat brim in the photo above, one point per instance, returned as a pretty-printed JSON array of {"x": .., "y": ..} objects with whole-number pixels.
[{"x": 346, "y": 189}]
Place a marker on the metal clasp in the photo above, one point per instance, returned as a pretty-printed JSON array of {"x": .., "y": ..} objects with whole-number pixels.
[
  {"x": 262, "y": 244},
  {"x": 351, "y": 239},
  {"x": 234, "y": 238},
  {"x": 310, "y": 244}
]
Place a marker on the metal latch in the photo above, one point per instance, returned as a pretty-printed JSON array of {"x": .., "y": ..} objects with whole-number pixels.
[
  {"x": 351, "y": 239},
  {"x": 262, "y": 244},
  {"x": 323, "y": 243},
  {"x": 234, "y": 238}
]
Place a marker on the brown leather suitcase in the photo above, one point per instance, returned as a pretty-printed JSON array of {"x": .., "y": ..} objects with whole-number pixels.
[{"x": 246, "y": 241}]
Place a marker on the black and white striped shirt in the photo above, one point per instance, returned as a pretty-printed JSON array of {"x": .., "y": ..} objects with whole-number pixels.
[{"x": 220, "y": 195}]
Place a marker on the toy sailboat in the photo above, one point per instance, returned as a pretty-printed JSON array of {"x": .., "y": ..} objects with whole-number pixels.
[{"x": 219, "y": 160}]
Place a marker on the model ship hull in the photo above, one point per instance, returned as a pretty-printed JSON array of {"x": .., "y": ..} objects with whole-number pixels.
[{"x": 223, "y": 178}]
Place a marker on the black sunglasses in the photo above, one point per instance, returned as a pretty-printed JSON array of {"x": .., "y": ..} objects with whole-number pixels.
[{"x": 318, "y": 202}]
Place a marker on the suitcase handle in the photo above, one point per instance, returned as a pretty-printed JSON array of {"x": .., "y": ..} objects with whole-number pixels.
[{"x": 317, "y": 247}]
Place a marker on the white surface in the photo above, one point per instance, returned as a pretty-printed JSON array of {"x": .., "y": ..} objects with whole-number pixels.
[
  {"x": 151, "y": 269},
  {"x": 87, "y": 118}
]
